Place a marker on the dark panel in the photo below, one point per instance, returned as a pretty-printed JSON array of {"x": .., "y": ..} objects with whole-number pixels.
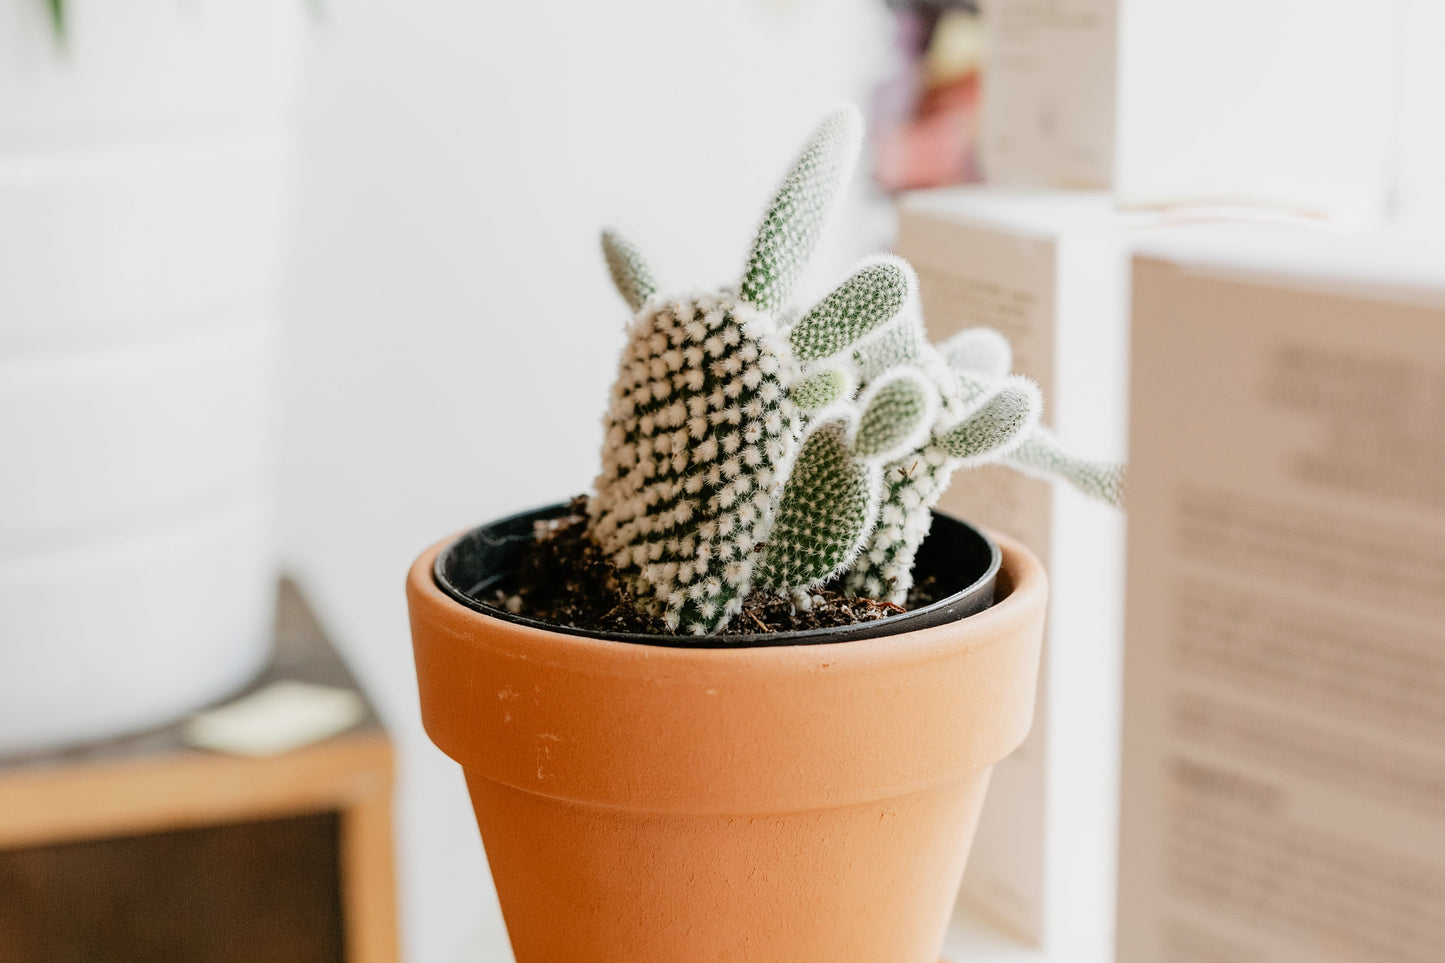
[{"x": 261, "y": 891}]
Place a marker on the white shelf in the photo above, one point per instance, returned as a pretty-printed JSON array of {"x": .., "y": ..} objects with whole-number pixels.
[{"x": 972, "y": 939}]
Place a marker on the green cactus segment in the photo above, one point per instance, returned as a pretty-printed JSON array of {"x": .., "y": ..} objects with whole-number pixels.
[
  {"x": 629, "y": 271},
  {"x": 986, "y": 417},
  {"x": 56, "y": 9},
  {"x": 699, "y": 426},
  {"x": 965, "y": 392},
  {"x": 798, "y": 211},
  {"x": 962, "y": 390},
  {"x": 1001, "y": 414},
  {"x": 830, "y": 502},
  {"x": 872, "y": 297},
  {"x": 898, "y": 413},
  {"x": 1041, "y": 455},
  {"x": 981, "y": 356},
  {"x": 900, "y": 343},
  {"x": 826, "y": 509},
  {"x": 978, "y": 351},
  {"x": 823, "y": 388},
  {"x": 904, "y": 344},
  {"x": 997, "y": 427},
  {"x": 912, "y": 486}
]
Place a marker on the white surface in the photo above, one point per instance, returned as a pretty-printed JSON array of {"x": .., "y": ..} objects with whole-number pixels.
[
  {"x": 1392, "y": 266},
  {"x": 1029, "y": 212},
  {"x": 133, "y": 630},
  {"x": 1285, "y": 102},
  {"x": 1275, "y": 102},
  {"x": 453, "y": 330},
  {"x": 1419, "y": 201},
  {"x": 972, "y": 939}
]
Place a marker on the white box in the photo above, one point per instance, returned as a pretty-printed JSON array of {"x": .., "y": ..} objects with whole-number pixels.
[
  {"x": 1419, "y": 186},
  {"x": 1284, "y": 739},
  {"x": 1275, "y": 102},
  {"x": 1049, "y": 270}
]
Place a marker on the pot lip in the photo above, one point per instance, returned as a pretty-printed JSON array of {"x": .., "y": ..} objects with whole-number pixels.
[
  {"x": 1023, "y": 586},
  {"x": 616, "y": 719},
  {"x": 940, "y": 612}
]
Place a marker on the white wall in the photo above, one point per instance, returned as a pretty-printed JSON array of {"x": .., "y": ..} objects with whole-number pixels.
[{"x": 452, "y": 331}]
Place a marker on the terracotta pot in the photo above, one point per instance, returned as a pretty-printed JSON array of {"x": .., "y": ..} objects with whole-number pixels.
[{"x": 645, "y": 804}]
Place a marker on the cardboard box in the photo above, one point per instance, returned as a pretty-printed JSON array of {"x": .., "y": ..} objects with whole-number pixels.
[
  {"x": 1284, "y": 737},
  {"x": 1274, "y": 102},
  {"x": 1049, "y": 270}
]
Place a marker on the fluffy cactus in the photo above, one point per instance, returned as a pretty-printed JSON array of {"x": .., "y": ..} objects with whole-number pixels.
[
  {"x": 735, "y": 455},
  {"x": 1043, "y": 456},
  {"x": 985, "y": 416},
  {"x": 830, "y": 501},
  {"x": 710, "y": 420},
  {"x": 983, "y": 353},
  {"x": 977, "y": 422},
  {"x": 799, "y": 209}
]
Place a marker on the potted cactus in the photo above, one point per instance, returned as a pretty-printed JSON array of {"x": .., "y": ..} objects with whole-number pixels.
[{"x": 696, "y": 788}]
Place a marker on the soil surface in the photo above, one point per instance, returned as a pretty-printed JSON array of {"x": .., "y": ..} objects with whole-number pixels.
[{"x": 565, "y": 579}]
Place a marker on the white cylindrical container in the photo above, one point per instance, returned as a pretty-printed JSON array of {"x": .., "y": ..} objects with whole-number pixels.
[{"x": 144, "y": 172}]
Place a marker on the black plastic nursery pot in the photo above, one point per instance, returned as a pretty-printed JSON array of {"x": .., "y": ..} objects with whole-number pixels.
[
  {"x": 962, "y": 561},
  {"x": 791, "y": 796}
]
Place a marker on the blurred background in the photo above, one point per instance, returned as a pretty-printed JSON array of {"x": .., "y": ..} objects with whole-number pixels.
[{"x": 304, "y": 286}]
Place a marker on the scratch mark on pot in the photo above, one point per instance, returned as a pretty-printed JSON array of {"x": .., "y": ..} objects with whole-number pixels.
[
  {"x": 506, "y": 717},
  {"x": 712, "y": 692},
  {"x": 549, "y": 735},
  {"x": 508, "y": 693},
  {"x": 543, "y": 755}
]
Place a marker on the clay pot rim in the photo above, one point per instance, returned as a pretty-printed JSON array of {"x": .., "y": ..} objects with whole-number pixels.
[
  {"x": 968, "y": 601},
  {"x": 1021, "y": 577},
  {"x": 956, "y": 697}
]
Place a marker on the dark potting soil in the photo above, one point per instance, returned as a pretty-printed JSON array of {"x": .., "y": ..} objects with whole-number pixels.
[{"x": 565, "y": 579}]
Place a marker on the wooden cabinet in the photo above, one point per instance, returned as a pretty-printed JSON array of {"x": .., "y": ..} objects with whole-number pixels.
[{"x": 145, "y": 848}]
